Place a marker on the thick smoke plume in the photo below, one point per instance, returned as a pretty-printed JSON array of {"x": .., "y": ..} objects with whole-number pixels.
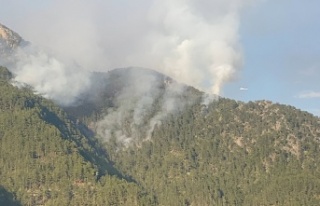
[
  {"x": 193, "y": 41},
  {"x": 199, "y": 41},
  {"x": 146, "y": 98},
  {"x": 48, "y": 76}
]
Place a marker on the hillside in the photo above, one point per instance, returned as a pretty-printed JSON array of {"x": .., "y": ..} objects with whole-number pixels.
[
  {"x": 223, "y": 153},
  {"x": 129, "y": 102},
  {"x": 107, "y": 88},
  {"x": 138, "y": 137},
  {"x": 46, "y": 160},
  {"x": 9, "y": 42},
  {"x": 230, "y": 153}
]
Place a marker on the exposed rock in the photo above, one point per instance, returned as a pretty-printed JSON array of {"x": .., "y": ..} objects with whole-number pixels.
[{"x": 9, "y": 40}]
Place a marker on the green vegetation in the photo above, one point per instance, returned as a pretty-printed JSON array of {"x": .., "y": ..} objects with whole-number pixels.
[
  {"x": 226, "y": 153},
  {"x": 45, "y": 160},
  {"x": 230, "y": 153}
]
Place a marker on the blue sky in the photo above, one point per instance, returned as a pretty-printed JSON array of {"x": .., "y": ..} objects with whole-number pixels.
[{"x": 280, "y": 42}]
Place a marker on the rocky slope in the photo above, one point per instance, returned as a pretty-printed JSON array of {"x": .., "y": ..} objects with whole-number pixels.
[{"x": 9, "y": 41}]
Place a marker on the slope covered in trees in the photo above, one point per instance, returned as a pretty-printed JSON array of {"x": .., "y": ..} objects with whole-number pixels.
[
  {"x": 222, "y": 153},
  {"x": 46, "y": 160},
  {"x": 229, "y": 153},
  {"x": 182, "y": 150}
]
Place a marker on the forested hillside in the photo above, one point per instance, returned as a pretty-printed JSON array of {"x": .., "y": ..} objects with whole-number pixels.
[
  {"x": 46, "y": 160},
  {"x": 229, "y": 153},
  {"x": 223, "y": 153}
]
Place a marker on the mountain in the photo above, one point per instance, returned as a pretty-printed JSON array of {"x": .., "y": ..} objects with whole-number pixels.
[
  {"x": 222, "y": 153},
  {"x": 130, "y": 101},
  {"x": 138, "y": 137},
  {"x": 9, "y": 42},
  {"x": 231, "y": 153},
  {"x": 106, "y": 87},
  {"x": 46, "y": 158}
]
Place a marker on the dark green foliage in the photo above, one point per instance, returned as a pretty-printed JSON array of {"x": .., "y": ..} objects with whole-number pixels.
[
  {"x": 5, "y": 74},
  {"x": 225, "y": 153},
  {"x": 230, "y": 153},
  {"x": 46, "y": 160},
  {"x": 7, "y": 198}
]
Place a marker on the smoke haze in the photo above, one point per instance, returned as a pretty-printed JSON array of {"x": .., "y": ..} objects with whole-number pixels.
[
  {"x": 193, "y": 41},
  {"x": 143, "y": 99},
  {"x": 50, "y": 77}
]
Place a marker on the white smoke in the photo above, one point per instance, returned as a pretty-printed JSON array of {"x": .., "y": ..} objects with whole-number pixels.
[
  {"x": 200, "y": 41},
  {"x": 193, "y": 41},
  {"x": 144, "y": 101},
  {"x": 50, "y": 77}
]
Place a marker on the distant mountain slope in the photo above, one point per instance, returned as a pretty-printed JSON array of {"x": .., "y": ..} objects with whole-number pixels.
[
  {"x": 129, "y": 102},
  {"x": 108, "y": 86},
  {"x": 223, "y": 153},
  {"x": 229, "y": 153},
  {"x": 140, "y": 138},
  {"x": 9, "y": 42},
  {"x": 46, "y": 160}
]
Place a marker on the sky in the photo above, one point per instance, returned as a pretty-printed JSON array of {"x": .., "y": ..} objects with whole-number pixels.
[
  {"x": 269, "y": 49},
  {"x": 281, "y": 45}
]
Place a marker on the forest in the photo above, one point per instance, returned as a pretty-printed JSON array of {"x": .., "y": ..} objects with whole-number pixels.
[{"x": 226, "y": 152}]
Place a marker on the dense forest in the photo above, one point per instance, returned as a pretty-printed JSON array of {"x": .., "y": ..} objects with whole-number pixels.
[
  {"x": 46, "y": 159},
  {"x": 222, "y": 153},
  {"x": 229, "y": 154}
]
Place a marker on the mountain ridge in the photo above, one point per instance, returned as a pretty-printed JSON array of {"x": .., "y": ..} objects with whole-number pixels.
[
  {"x": 45, "y": 155},
  {"x": 9, "y": 41},
  {"x": 140, "y": 138},
  {"x": 11, "y": 38}
]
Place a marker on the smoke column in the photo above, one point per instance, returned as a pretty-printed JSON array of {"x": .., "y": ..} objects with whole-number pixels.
[
  {"x": 200, "y": 41},
  {"x": 145, "y": 99},
  {"x": 193, "y": 41}
]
